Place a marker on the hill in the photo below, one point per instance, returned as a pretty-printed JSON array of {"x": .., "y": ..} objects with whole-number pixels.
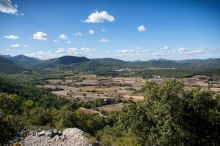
[
  {"x": 9, "y": 66},
  {"x": 61, "y": 62},
  {"x": 21, "y": 62},
  {"x": 201, "y": 62},
  {"x": 25, "y": 61},
  {"x": 66, "y": 60}
]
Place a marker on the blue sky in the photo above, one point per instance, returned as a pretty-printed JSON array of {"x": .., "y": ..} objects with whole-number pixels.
[{"x": 124, "y": 29}]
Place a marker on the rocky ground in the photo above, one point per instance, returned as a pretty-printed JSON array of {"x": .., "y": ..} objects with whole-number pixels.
[{"x": 68, "y": 137}]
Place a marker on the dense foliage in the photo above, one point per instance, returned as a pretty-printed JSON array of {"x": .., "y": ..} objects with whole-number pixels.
[{"x": 168, "y": 115}]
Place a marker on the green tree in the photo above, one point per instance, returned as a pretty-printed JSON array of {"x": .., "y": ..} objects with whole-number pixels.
[
  {"x": 169, "y": 115},
  {"x": 28, "y": 104},
  {"x": 9, "y": 122}
]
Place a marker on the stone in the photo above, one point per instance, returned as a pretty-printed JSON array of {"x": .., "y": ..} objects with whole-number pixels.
[
  {"x": 62, "y": 137},
  {"x": 55, "y": 131},
  {"x": 42, "y": 133},
  {"x": 59, "y": 133},
  {"x": 69, "y": 137},
  {"x": 49, "y": 133},
  {"x": 56, "y": 137}
]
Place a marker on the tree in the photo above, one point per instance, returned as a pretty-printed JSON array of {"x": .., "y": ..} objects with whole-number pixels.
[
  {"x": 28, "y": 104},
  {"x": 169, "y": 115},
  {"x": 9, "y": 124}
]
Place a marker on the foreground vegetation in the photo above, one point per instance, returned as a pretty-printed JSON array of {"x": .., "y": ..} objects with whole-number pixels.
[{"x": 168, "y": 115}]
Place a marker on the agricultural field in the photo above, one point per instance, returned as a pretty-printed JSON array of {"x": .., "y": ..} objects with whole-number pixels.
[
  {"x": 114, "y": 92},
  {"x": 91, "y": 87}
]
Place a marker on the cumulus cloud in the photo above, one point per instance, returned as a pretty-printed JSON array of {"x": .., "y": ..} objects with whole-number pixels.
[
  {"x": 15, "y": 45},
  {"x": 91, "y": 31},
  {"x": 99, "y": 17},
  {"x": 103, "y": 40},
  {"x": 199, "y": 51},
  {"x": 131, "y": 51},
  {"x": 78, "y": 34},
  {"x": 63, "y": 37},
  {"x": 56, "y": 41},
  {"x": 141, "y": 28},
  {"x": 41, "y": 54},
  {"x": 6, "y": 6},
  {"x": 62, "y": 52},
  {"x": 182, "y": 50},
  {"x": 40, "y": 36},
  {"x": 165, "y": 52},
  {"x": 11, "y": 37}
]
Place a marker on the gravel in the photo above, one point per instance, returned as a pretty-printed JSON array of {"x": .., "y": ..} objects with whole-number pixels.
[{"x": 69, "y": 137}]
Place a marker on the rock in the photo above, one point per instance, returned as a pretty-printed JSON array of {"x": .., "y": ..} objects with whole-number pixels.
[
  {"x": 49, "y": 133},
  {"x": 62, "y": 137},
  {"x": 72, "y": 131},
  {"x": 59, "y": 133},
  {"x": 55, "y": 131},
  {"x": 69, "y": 137},
  {"x": 33, "y": 133},
  {"x": 56, "y": 137},
  {"x": 42, "y": 133}
]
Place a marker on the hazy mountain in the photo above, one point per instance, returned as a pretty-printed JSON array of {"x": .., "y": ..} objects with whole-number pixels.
[
  {"x": 25, "y": 60},
  {"x": 21, "y": 62},
  {"x": 111, "y": 62},
  {"x": 9, "y": 66},
  {"x": 70, "y": 60},
  {"x": 201, "y": 62},
  {"x": 61, "y": 61}
]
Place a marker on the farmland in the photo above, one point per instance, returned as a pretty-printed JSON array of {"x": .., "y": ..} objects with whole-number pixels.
[{"x": 117, "y": 89}]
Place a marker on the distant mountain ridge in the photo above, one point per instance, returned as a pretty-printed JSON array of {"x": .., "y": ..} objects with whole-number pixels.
[
  {"x": 22, "y": 62},
  {"x": 9, "y": 66},
  {"x": 70, "y": 59}
]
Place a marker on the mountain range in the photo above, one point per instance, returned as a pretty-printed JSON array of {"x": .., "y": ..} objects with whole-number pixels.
[{"x": 20, "y": 63}]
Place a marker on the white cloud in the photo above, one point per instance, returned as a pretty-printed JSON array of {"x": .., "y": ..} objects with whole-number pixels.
[
  {"x": 189, "y": 53},
  {"x": 91, "y": 31},
  {"x": 103, "y": 40},
  {"x": 78, "y": 34},
  {"x": 11, "y": 37},
  {"x": 63, "y": 37},
  {"x": 138, "y": 50},
  {"x": 182, "y": 51},
  {"x": 40, "y": 36},
  {"x": 56, "y": 41},
  {"x": 15, "y": 45},
  {"x": 41, "y": 54},
  {"x": 6, "y": 6},
  {"x": 62, "y": 52},
  {"x": 165, "y": 52},
  {"x": 141, "y": 28},
  {"x": 99, "y": 17},
  {"x": 199, "y": 51},
  {"x": 103, "y": 30}
]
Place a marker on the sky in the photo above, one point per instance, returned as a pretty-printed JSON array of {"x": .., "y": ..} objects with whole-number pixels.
[{"x": 123, "y": 29}]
